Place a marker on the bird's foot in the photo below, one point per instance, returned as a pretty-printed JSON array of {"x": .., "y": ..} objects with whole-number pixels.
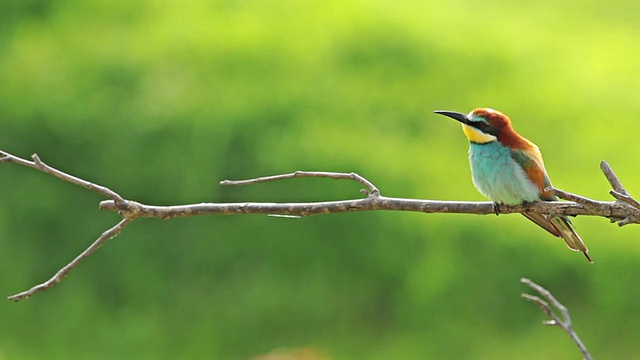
[{"x": 496, "y": 208}]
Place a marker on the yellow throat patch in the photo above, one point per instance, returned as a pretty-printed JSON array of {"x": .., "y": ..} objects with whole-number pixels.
[{"x": 477, "y": 136}]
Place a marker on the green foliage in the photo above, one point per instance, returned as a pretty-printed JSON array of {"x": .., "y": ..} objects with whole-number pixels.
[{"x": 161, "y": 100}]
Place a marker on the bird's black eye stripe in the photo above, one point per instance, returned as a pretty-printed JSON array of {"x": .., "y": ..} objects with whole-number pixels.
[
  {"x": 485, "y": 128},
  {"x": 480, "y": 125}
]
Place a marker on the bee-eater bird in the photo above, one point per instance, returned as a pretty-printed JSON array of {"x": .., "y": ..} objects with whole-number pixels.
[{"x": 508, "y": 169}]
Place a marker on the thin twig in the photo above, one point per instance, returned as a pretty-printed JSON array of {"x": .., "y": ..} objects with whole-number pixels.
[
  {"x": 62, "y": 273},
  {"x": 563, "y": 321},
  {"x": 564, "y": 195},
  {"x": 371, "y": 189},
  {"x": 41, "y": 166}
]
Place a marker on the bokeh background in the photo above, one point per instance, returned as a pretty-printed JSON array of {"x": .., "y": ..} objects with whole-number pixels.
[{"x": 160, "y": 100}]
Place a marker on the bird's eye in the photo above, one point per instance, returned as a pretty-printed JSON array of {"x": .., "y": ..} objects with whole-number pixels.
[
  {"x": 480, "y": 125},
  {"x": 485, "y": 128}
]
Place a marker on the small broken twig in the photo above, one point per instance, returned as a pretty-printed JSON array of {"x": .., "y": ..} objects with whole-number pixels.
[{"x": 563, "y": 320}]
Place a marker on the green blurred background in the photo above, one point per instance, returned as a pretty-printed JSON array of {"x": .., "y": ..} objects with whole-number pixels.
[{"x": 160, "y": 100}]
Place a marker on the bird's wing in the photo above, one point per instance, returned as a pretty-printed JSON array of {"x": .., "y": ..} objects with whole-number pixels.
[{"x": 531, "y": 161}]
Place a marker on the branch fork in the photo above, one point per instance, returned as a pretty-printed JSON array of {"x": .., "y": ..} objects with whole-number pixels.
[{"x": 551, "y": 307}]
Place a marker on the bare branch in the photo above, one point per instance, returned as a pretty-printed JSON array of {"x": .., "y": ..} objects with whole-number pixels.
[
  {"x": 62, "y": 273},
  {"x": 135, "y": 209},
  {"x": 563, "y": 320},
  {"x": 625, "y": 207}
]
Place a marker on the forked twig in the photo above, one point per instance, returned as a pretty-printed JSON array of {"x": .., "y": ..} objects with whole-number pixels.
[
  {"x": 621, "y": 194},
  {"x": 563, "y": 320}
]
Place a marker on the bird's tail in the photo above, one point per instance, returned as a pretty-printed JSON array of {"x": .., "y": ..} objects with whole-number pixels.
[{"x": 560, "y": 226}]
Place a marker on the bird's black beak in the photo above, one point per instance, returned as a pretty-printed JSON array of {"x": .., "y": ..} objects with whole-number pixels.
[{"x": 454, "y": 115}]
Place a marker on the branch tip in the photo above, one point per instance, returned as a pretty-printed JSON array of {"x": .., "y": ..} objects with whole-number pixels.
[{"x": 612, "y": 178}]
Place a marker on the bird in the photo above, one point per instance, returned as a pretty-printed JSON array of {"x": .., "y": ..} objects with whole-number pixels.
[{"x": 508, "y": 169}]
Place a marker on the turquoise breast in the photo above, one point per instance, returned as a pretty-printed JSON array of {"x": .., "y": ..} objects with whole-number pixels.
[{"x": 498, "y": 176}]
